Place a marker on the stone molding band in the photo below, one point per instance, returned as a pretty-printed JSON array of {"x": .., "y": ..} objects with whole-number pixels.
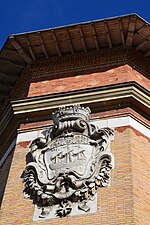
[{"x": 119, "y": 95}]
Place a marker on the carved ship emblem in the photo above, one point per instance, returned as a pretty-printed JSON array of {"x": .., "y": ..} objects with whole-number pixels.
[
  {"x": 73, "y": 155},
  {"x": 70, "y": 163}
]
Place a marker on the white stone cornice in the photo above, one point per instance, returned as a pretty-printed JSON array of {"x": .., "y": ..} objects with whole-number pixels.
[{"x": 88, "y": 96}]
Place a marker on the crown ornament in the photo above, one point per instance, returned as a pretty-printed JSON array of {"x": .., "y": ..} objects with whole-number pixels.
[{"x": 71, "y": 113}]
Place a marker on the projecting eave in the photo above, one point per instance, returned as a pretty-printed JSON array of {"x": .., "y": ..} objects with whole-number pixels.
[{"x": 22, "y": 50}]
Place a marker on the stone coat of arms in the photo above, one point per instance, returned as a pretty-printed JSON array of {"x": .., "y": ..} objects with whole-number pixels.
[{"x": 69, "y": 164}]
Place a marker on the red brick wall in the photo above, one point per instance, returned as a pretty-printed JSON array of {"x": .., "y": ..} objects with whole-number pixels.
[
  {"x": 112, "y": 76},
  {"x": 140, "y": 158},
  {"x": 124, "y": 202}
]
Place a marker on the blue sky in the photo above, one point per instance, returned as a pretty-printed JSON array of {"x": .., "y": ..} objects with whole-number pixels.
[{"x": 19, "y": 16}]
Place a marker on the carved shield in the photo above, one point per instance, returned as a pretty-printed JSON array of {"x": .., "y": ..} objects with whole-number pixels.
[
  {"x": 70, "y": 155},
  {"x": 70, "y": 163}
]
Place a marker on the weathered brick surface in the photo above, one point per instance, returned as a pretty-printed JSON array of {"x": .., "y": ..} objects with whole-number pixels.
[
  {"x": 124, "y": 202},
  {"x": 112, "y": 76},
  {"x": 140, "y": 160}
]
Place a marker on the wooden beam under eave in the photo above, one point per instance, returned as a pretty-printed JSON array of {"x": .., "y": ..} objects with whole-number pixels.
[
  {"x": 30, "y": 48},
  {"x": 3, "y": 94},
  {"x": 6, "y": 86},
  {"x": 131, "y": 30},
  {"x": 82, "y": 38},
  {"x": 140, "y": 45},
  {"x": 14, "y": 63},
  {"x": 56, "y": 42},
  {"x": 8, "y": 75},
  {"x": 20, "y": 49},
  {"x": 43, "y": 46},
  {"x": 69, "y": 41},
  {"x": 138, "y": 31},
  {"x": 12, "y": 51},
  {"x": 108, "y": 34},
  {"x": 147, "y": 53},
  {"x": 121, "y": 31},
  {"x": 95, "y": 36},
  {"x": 1, "y": 101}
]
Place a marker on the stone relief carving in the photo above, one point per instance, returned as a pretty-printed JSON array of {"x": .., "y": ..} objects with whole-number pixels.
[{"x": 69, "y": 164}]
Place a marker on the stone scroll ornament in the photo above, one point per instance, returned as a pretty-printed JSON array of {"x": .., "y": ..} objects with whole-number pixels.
[{"x": 69, "y": 164}]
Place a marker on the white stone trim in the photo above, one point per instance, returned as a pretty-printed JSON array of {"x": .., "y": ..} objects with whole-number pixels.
[
  {"x": 28, "y": 136},
  {"x": 123, "y": 121},
  {"x": 141, "y": 128},
  {"x": 111, "y": 122}
]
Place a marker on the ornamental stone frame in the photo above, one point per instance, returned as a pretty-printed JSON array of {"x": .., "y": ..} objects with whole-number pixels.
[{"x": 66, "y": 167}]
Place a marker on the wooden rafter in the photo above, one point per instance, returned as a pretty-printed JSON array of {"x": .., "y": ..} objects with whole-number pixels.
[
  {"x": 69, "y": 41},
  {"x": 121, "y": 31},
  {"x": 20, "y": 49},
  {"x": 95, "y": 36},
  {"x": 11, "y": 50},
  {"x": 30, "y": 48},
  {"x": 82, "y": 38},
  {"x": 147, "y": 53},
  {"x": 56, "y": 42},
  {"x": 43, "y": 46},
  {"x": 1, "y": 101},
  {"x": 8, "y": 75},
  {"x": 14, "y": 63},
  {"x": 131, "y": 29},
  {"x": 141, "y": 44},
  {"x": 108, "y": 34},
  {"x": 139, "y": 30},
  {"x": 5, "y": 86},
  {"x": 3, "y": 94}
]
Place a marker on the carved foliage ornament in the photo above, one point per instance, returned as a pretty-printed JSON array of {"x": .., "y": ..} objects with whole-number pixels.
[{"x": 69, "y": 164}]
